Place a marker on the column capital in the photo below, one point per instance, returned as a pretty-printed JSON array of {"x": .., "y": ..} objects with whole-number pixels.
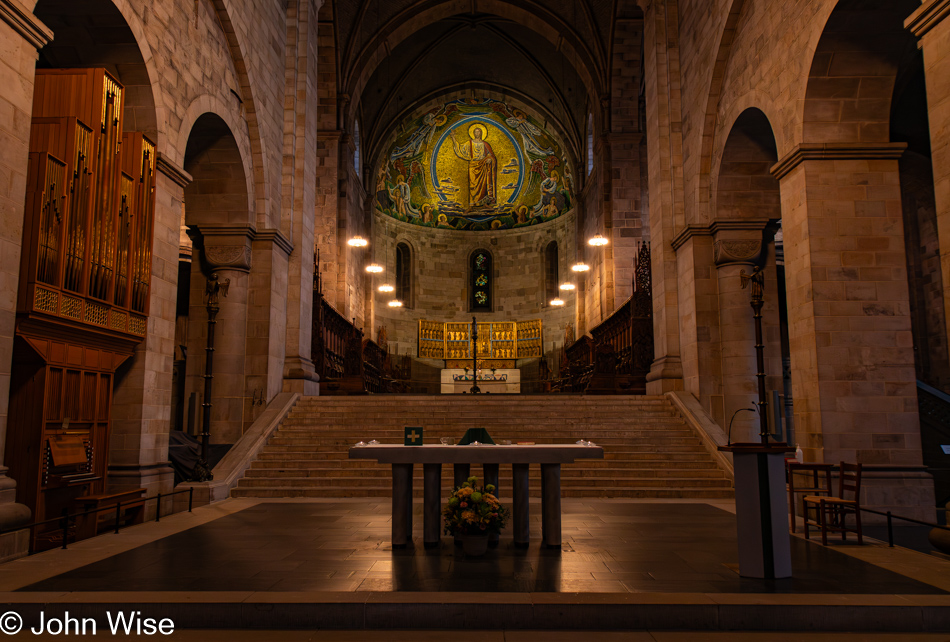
[
  {"x": 836, "y": 151},
  {"x": 930, "y": 14},
  {"x": 228, "y": 247},
  {"x": 22, "y": 20}
]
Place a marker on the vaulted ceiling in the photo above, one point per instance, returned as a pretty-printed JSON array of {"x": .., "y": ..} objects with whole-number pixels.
[{"x": 552, "y": 55}]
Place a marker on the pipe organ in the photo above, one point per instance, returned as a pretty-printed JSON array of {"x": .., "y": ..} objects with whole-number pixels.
[{"x": 82, "y": 302}]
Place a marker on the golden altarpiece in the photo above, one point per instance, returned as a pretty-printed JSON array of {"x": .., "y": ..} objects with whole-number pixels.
[
  {"x": 82, "y": 303},
  {"x": 500, "y": 343}
]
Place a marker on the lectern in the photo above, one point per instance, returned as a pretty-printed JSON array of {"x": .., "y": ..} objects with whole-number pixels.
[{"x": 761, "y": 509}]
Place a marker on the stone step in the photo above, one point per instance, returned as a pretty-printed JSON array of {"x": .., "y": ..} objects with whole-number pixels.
[
  {"x": 535, "y": 491},
  {"x": 636, "y": 438},
  {"x": 386, "y": 473},
  {"x": 340, "y": 464},
  {"x": 567, "y": 480}
]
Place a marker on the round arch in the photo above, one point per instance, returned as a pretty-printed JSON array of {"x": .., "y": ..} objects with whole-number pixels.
[{"x": 218, "y": 195}]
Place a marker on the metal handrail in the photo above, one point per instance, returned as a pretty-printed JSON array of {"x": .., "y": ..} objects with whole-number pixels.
[
  {"x": 65, "y": 518},
  {"x": 890, "y": 523}
]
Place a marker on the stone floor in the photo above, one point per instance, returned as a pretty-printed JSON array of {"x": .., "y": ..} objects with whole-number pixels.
[
  {"x": 609, "y": 547},
  {"x": 659, "y": 571}
]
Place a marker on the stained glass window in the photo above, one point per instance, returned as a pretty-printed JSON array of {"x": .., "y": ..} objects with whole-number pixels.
[{"x": 481, "y": 280}]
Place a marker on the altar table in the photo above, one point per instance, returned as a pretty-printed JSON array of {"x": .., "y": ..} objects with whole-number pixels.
[{"x": 549, "y": 456}]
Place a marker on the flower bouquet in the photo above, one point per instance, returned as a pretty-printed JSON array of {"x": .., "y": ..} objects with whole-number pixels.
[{"x": 473, "y": 512}]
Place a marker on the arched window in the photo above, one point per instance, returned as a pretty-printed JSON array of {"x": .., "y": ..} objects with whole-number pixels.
[
  {"x": 481, "y": 280},
  {"x": 550, "y": 272},
  {"x": 404, "y": 274},
  {"x": 357, "y": 151},
  {"x": 590, "y": 143}
]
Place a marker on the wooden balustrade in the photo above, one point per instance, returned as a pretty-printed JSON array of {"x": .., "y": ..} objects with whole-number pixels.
[{"x": 616, "y": 357}]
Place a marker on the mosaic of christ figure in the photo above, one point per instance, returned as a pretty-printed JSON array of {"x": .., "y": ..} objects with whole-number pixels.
[{"x": 482, "y": 165}]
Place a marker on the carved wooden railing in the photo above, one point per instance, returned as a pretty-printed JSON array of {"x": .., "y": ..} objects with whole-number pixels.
[
  {"x": 616, "y": 358},
  {"x": 347, "y": 362}
]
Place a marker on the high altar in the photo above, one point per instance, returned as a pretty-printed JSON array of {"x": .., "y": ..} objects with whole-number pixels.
[{"x": 500, "y": 345}]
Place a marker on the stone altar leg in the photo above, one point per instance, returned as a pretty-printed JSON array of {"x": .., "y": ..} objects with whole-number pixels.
[
  {"x": 402, "y": 505},
  {"x": 461, "y": 474},
  {"x": 520, "y": 506},
  {"x": 432, "y": 496},
  {"x": 491, "y": 477},
  {"x": 551, "y": 505}
]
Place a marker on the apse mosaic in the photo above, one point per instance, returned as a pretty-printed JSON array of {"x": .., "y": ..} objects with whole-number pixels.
[{"x": 474, "y": 165}]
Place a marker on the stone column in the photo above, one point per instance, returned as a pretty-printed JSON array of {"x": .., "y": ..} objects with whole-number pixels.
[
  {"x": 852, "y": 357},
  {"x": 141, "y": 407},
  {"x": 226, "y": 252},
  {"x": 22, "y": 35},
  {"x": 738, "y": 250},
  {"x": 665, "y": 164},
  {"x": 930, "y": 23}
]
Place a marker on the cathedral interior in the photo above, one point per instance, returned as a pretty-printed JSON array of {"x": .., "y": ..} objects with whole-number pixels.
[{"x": 241, "y": 237}]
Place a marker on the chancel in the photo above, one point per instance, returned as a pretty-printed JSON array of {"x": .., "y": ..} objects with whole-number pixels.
[{"x": 262, "y": 258}]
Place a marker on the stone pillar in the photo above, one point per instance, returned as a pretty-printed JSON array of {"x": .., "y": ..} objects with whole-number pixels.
[
  {"x": 141, "y": 407},
  {"x": 852, "y": 357},
  {"x": 736, "y": 251},
  {"x": 226, "y": 252},
  {"x": 930, "y": 23},
  {"x": 299, "y": 191},
  {"x": 22, "y": 35},
  {"x": 665, "y": 164}
]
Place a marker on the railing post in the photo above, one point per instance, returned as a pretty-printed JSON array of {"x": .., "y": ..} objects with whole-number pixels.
[
  {"x": 158, "y": 508},
  {"x": 890, "y": 530},
  {"x": 191, "y": 496},
  {"x": 118, "y": 516},
  {"x": 65, "y": 526}
]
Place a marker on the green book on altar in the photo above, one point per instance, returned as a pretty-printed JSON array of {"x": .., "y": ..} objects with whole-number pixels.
[
  {"x": 413, "y": 435},
  {"x": 476, "y": 434}
]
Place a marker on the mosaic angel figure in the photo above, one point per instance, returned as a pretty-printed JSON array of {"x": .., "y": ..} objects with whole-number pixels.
[{"x": 519, "y": 122}]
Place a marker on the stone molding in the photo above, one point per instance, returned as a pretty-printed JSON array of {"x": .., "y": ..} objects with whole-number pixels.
[
  {"x": 836, "y": 151},
  {"x": 164, "y": 165},
  {"x": 717, "y": 228},
  {"x": 277, "y": 238},
  {"x": 930, "y": 14},
  {"x": 22, "y": 20}
]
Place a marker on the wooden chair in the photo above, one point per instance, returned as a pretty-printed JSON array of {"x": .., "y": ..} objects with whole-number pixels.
[
  {"x": 831, "y": 512},
  {"x": 819, "y": 484}
]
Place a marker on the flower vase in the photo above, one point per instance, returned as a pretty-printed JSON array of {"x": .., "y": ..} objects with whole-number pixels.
[{"x": 475, "y": 545}]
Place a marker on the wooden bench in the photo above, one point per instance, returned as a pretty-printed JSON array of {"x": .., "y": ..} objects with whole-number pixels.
[{"x": 132, "y": 511}]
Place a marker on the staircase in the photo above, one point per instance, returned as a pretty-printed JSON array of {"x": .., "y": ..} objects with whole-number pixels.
[{"x": 649, "y": 451}]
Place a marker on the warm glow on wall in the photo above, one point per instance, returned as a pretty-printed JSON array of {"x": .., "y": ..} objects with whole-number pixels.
[
  {"x": 598, "y": 241},
  {"x": 580, "y": 267},
  {"x": 557, "y": 302},
  {"x": 374, "y": 268},
  {"x": 567, "y": 287},
  {"x": 395, "y": 304},
  {"x": 357, "y": 241},
  {"x": 386, "y": 288}
]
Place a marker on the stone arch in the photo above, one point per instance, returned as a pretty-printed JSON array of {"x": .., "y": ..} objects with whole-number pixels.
[
  {"x": 218, "y": 194},
  {"x": 745, "y": 187},
  {"x": 208, "y": 105},
  {"x": 127, "y": 55},
  {"x": 851, "y": 79}
]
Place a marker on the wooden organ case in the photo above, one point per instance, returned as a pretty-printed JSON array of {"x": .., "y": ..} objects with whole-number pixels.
[{"x": 82, "y": 303}]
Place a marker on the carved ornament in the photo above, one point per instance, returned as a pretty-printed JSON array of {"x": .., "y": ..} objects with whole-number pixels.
[{"x": 729, "y": 252}]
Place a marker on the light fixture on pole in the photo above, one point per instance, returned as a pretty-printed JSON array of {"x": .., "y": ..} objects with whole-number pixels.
[
  {"x": 357, "y": 241},
  {"x": 374, "y": 268},
  {"x": 568, "y": 287},
  {"x": 386, "y": 288},
  {"x": 580, "y": 267},
  {"x": 598, "y": 241}
]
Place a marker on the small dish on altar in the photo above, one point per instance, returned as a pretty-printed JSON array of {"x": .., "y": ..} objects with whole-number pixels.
[
  {"x": 373, "y": 442},
  {"x": 447, "y": 441},
  {"x": 361, "y": 444}
]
